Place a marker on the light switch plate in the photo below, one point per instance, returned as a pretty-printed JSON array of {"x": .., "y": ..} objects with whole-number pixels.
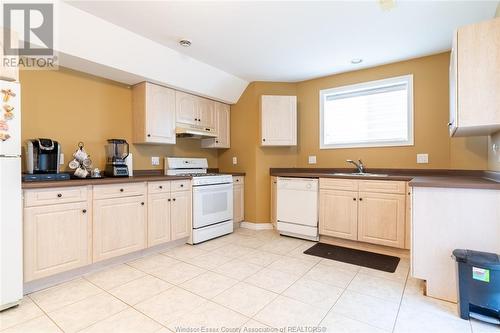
[
  {"x": 155, "y": 160},
  {"x": 422, "y": 158},
  {"x": 312, "y": 159},
  {"x": 235, "y": 160},
  {"x": 61, "y": 158}
]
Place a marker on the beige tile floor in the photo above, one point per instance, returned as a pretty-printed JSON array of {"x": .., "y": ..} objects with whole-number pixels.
[{"x": 248, "y": 280}]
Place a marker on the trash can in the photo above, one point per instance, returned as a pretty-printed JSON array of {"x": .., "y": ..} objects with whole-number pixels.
[{"x": 478, "y": 280}]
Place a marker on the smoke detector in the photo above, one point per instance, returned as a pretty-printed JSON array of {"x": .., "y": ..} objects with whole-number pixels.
[{"x": 185, "y": 42}]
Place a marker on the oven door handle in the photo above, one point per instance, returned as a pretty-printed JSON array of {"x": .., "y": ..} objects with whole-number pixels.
[{"x": 209, "y": 188}]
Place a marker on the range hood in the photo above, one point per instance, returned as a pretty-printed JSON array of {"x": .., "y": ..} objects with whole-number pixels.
[{"x": 187, "y": 131}]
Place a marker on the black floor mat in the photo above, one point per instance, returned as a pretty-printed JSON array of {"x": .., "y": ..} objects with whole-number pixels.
[{"x": 378, "y": 261}]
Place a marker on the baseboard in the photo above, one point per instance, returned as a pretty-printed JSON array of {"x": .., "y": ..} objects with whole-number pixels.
[{"x": 256, "y": 226}]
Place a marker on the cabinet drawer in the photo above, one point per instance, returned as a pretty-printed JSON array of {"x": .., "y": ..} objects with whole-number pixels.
[
  {"x": 338, "y": 184},
  {"x": 238, "y": 180},
  {"x": 180, "y": 185},
  {"x": 55, "y": 196},
  {"x": 158, "y": 187},
  {"x": 382, "y": 186},
  {"x": 119, "y": 190}
]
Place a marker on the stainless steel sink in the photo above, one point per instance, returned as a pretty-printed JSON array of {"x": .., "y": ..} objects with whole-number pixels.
[{"x": 359, "y": 174}]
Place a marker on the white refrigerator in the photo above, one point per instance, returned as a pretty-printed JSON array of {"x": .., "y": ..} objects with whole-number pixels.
[{"x": 11, "y": 236}]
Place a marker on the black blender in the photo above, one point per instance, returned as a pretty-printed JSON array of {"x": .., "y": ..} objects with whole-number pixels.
[{"x": 117, "y": 151}]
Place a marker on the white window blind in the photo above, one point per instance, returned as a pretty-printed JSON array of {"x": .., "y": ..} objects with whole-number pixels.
[{"x": 371, "y": 114}]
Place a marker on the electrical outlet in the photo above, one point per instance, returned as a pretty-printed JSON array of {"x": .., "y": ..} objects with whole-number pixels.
[
  {"x": 312, "y": 159},
  {"x": 61, "y": 158},
  {"x": 235, "y": 160},
  {"x": 155, "y": 160},
  {"x": 422, "y": 158}
]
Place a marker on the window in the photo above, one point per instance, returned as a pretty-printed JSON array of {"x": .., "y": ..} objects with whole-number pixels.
[{"x": 370, "y": 114}]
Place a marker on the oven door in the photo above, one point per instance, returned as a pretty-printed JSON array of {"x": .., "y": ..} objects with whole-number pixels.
[{"x": 212, "y": 204}]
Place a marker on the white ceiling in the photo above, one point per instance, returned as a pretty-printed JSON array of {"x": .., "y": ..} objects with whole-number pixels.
[{"x": 294, "y": 41}]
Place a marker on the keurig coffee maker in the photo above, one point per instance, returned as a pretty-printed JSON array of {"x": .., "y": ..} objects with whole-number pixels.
[
  {"x": 42, "y": 156},
  {"x": 117, "y": 151}
]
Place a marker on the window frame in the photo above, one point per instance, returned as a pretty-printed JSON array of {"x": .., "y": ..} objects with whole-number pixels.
[{"x": 408, "y": 79}]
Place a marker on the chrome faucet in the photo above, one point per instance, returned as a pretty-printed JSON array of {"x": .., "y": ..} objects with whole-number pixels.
[{"x": 359, "y": 165}]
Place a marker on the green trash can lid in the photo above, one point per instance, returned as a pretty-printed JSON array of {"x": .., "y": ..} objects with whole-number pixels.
[{"x": 477, "y": 258}]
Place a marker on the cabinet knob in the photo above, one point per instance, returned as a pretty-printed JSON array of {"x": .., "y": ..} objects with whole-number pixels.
[
  {"x": 195, "y": 119},
  {"x": 360, "y": 199},
  {"x": 449, "y": 124},
  {"x": 237, "y": 180},
  {"x": 160, "y": 187},
  {"x": 216, "y": 141},
  {"x": 149, "y": 135},
  {"x": 84, "y": 211},
  {"x": 182, "y": 185},
  {"x": 142, "y": 203},
  {"x": 354, "y": 199},
  {"x": 263, "y": 139},
  {"x": 173, "y": 199},
  {"x": 169, "y": 200},
  {"x": 59, "y": 195},
  {"x": 121, "y": 190}
]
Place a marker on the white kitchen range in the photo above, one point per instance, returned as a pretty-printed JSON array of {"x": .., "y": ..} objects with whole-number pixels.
[{"x": 212, "y": 197}]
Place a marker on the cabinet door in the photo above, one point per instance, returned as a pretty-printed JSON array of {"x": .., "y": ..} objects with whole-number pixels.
[
  {"x": 381, "y": 218},
  {"x": 223, "y": 123},
  {"x": 160, "y": 114},
  {"x": 274, "y": 219},
  {"x": 181, "y": 214},
  {"x": 238, "y": 203},
  {"x": 56, "y": 239},
  {"x": 206, "y": 113},
  {"x": 119, "y": 226},
  {"x": 186, "y": 108},
  {"x": 453, "y": 121},
  {"x": 279, "y": 120},
  {"x": 159, "y": 218},
  {"x": 338, "y": 211},
  {"x": 478, "y": 75}
]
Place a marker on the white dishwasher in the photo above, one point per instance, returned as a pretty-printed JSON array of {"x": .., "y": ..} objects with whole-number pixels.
[{"x": 297, "y": 207}]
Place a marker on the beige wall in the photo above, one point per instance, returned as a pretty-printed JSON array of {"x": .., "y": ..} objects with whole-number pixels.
[
  {"x": 430, "y": 121},
  {"x": 70, "y": 106}
]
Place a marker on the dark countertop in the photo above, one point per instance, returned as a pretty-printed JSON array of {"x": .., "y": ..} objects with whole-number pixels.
[
  {"x": 416, "y": 178},
  {"x": 99, "y": 181},
  {"x": 140, "y": 176}
]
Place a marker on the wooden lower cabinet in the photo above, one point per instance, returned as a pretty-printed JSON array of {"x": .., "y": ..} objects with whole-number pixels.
[
  {"x": 57, "y": 238},
  {"x": 238, "y": 203},
  {"x": 338, "y": 214},
  {"x": 159, "y": 218},
  {"x": 180, "y": 214},
  {"x": 119, "y": 226},
  {"x": 381, "y": 218}
]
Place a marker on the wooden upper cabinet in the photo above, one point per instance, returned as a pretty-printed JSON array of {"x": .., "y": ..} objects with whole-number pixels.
[
  {"x": 222, "y": 128},
  {"x": 278, "y": 120},
  {"x": 206, "y": 113},
  {"x": 381, "y": 218},
  {"x": 195, "y": 111},
  {"x": 338, "y": 214},
  {"x": 186, "y": 108},
  {"x": 153, "y": 114},
  {"x": 475, "y": 79}
]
